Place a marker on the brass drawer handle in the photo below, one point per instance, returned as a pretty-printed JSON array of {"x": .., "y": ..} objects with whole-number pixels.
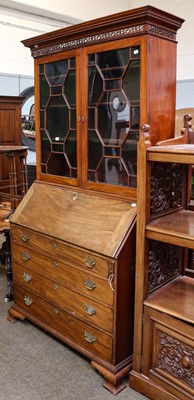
[
  {"x": 25, "y": 238},
  {"x": 28, "y": 301},
  {"x": 27, "y": 277},
  {"x": 89, "y": 309},
  {"x": 89, "y": 284},
  {"x": 26, "y": 256},
  {"x": 89, "y": 337},
  {"x": 89, "y": 262}
]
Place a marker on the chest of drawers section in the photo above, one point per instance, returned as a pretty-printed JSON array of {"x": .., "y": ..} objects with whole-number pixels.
[
  {"x": 72, "y": 282},
  {"x": 73, "y": 274}
]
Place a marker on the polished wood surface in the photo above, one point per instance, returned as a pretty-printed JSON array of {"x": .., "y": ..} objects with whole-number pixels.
[
  {"x": 175, "y": 299},
  {"x": 91, "y": 221}
]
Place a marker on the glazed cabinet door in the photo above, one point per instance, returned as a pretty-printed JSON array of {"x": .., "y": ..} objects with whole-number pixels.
[
  {"x": 58, "y": 139},
  {"x": 112, "y": 109}
]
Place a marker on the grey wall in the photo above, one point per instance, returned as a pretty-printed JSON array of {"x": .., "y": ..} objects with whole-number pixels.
[
  {"x": 13, "y": 84},
  {"x": 185, "y": 94}
]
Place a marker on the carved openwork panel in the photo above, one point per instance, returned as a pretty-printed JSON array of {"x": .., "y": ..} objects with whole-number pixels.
[
  {"x": 166, "y": 187},
  {"x": 176, "y": 358},
  {"x": 164, "y": 260}
]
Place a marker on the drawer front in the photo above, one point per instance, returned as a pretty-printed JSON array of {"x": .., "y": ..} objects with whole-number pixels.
[
  {"x": 73, "y": 302},
  {"x": 171, "y": 350},
  {"x": 88, "y": 284},
  {"x": 70, "y": 328},
  {"x": 57, "y": 249}
]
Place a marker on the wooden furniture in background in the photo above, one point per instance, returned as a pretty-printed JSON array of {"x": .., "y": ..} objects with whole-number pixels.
[
  {"x": 73, "y": 235},
  {"x": 164, "y": 321},
  {"x": 10, "y": 135},
  {"x": 18, "y": 186}
]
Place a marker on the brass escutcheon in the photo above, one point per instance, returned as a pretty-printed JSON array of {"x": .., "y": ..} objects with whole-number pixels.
[
  {"x": 89, "y": 337},
  {"x": 27, "y": 277},
  {"x": 55, "y": 311},
  {"x": 89, "y": 284},
  {"x": 55, "y": 286},
  {"x": 89, "y": 262},
  {"x": 26, "y": 256},
  {"x": 54, "y": 244},
  {"x": 54, "y": 264}
]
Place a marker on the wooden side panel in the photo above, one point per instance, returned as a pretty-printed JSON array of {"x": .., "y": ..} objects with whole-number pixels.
[{"x": 162, "y": 89}]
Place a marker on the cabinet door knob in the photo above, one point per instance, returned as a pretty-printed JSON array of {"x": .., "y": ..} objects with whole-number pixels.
[
  {"x": 90, "y": 285},
  {"x": 89, "y": 337},
  {"x": 27, "y": 277}
]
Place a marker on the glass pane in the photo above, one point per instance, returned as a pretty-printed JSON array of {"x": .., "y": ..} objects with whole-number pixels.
[
  {"x": 44, "y": 91},
  {"x": 57, "y": 118},
  {"x": 112, "y": 63},
  {"x": 131, "y": 81},
  {"x": 69, "y": 88},
  {"x": 91, "y": 118},
  {"x": 56, "y": 90},
  {"x": 112, "y": 171},
  {"x": 45, "y": 146},
  {"x": 57, "y": 165},
  {"x": 70, "y": 149},
  {"x": 95, "y": 86},
  {"x": 95, "y": 150},
  {"x": 56, "y": 71}
]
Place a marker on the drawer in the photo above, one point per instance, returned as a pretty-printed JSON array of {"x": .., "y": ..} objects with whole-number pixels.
[
  {"x": 63, "y": 325},
  {"x": 75, "y": 303},
  {"x": 169, "y": 353},
  {"x": 88, "y": 284},
  {"x": 57, "y": 249}
]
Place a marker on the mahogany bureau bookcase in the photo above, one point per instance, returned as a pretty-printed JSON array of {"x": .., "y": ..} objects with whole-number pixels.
[{"x": 73, "y": 235}]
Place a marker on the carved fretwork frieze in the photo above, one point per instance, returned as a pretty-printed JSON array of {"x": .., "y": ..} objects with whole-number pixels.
[
  {"x": 102, "y": 37},
  {"x": 166, "y": 187},
  {"x": 176, "y": 357},
  {"x": 164, "y": 260}
]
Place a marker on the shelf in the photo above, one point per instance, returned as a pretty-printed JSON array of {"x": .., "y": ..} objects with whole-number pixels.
[
  {"x": 183, "y": 153},
  {"x": 175, "y": 228},
  {"x": 175, "y": 299}
]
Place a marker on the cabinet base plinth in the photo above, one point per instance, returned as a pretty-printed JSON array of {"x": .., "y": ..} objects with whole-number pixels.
[
  {"x": 114, "y": 381},
  {"x": 148, "y": 388},
  {"x": 14, "y": 314}
]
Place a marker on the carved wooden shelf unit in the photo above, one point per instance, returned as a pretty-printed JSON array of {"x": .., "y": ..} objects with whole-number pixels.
[
  {"x": 164, "y": 319},
  {"x": 73, "y": 236}
]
